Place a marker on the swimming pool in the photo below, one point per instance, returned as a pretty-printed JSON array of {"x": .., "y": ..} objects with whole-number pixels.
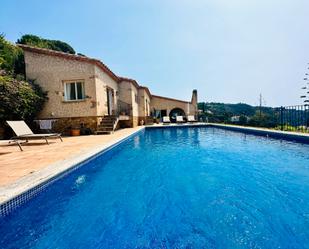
[{"x": 174, "y": 188}]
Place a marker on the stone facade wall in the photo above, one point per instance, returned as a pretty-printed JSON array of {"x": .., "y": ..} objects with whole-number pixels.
[
  {"x": 144, "y": 103},
  {"x": 64, "y": 125},
  {"x": 51, "y": 73},
  {"x": 159, "y": 103},
  {"x": 131, "y": 122},
  {"x": 125, "y": 94},
  {"x": 128, "y": 93},
  {"x": 135, "y": 103},
  {"x": 135, "y": 121},
  {"x": 102, "y": 81}
]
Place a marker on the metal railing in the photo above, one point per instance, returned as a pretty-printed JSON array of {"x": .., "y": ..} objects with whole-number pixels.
[
  {"x": 285, "y": 118},
  {"x": 124, "y": 108},
  {"x": 293, "y": 118}
]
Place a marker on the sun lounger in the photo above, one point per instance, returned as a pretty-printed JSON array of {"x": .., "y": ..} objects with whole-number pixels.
[
  {"x": 191, "y": 118},
  {"x": 23, "y": 132},
  {"x": 13, "y": 141},
  {"x": 179, "y": 119},
  {"x": 166, "y": 120}
]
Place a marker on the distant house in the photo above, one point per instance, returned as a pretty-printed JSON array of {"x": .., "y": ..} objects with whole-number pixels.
[
  {"x": 239, "y": 119},
  {"x": 83, "y": 90},
  {"x": 235, "y": 119}
]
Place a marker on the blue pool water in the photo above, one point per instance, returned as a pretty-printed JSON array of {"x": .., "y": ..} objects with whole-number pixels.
[{"x": 174, "y": 188}]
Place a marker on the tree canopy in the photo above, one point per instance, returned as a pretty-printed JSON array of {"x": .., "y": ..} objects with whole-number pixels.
[
  {"x": 11, "y": 57},
  {"x": 36, "y": 41}
]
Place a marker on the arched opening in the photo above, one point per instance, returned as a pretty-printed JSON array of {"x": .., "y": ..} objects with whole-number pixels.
[{"x": 176, "y": 112}]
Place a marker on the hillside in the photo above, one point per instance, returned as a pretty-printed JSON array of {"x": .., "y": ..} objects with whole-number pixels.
[
  {"x": 249, "y": 115},
  {"x": 233, "y": 109}
]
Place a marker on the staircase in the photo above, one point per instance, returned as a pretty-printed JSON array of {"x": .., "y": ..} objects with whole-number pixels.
[{"x": 107, "y": 125}]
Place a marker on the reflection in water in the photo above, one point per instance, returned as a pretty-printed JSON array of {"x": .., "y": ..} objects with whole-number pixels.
[
  {"x": 80, "y": 180},
  {"x": 136, "y": 142}
]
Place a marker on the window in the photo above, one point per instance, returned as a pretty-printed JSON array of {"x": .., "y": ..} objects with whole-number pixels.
[
  {"x": 136, "y": 98},
  {"x": 74, "y": 91}
]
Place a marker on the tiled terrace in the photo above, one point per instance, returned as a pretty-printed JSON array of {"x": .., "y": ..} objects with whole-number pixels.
[{"x": 37, "y": 155}]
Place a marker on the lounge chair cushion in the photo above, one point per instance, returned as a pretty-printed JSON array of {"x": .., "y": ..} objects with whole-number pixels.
[
  {"x": 179, "y": 119},
  {"x": 20, "y": 128},
  {"x": 191, "y": 118},
  {"x": 166, "y": 119}
]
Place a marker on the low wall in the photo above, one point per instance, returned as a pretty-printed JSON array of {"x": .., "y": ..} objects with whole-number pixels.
[
  {"x": 63, "y": 125},
  {"x": 131, "y": 122}
]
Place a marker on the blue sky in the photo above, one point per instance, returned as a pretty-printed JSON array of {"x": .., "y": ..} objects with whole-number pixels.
[{"x": 229, "y": 50}]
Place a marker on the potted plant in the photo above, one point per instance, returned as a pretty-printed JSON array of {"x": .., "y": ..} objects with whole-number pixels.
[
  {"x": 75, "y": 131},
  {"x": 157, "y": 120}
]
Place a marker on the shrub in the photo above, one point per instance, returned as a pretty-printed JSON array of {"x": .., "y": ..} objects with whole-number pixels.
[{"x": 19, "y": 99}]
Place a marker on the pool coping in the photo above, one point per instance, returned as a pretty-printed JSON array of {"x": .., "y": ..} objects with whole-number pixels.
[
  {"x": 23, "y": 189},
  {"x": 277, "y": 134}
]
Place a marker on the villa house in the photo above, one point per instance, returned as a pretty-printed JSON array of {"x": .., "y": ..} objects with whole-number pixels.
[{"x": 83, "y": 90}]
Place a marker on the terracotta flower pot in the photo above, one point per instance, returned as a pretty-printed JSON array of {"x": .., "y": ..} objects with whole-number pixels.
[{"x": 75, "y": 132}]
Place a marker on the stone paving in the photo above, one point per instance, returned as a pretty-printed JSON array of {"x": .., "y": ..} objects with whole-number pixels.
[{"x": 15, "y": 164}]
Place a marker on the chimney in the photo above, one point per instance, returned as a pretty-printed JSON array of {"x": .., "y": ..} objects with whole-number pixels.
[{"x": 194, "y": 99}]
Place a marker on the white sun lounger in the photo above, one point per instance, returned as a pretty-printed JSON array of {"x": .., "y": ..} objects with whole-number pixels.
[
  {"x": 23, "y": 132},
  {"x": 179, "y": 119},
  {"x": 166, "y": 120},
  {"x": 191, "y": 118}
]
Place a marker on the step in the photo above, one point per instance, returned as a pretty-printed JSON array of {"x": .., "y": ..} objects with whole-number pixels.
[
  {"x": 105, "y": 128},
  {"x": 108, "y": 121},
  {"x": 108, "y": 125},
  {"x": 102, "y": 132}
]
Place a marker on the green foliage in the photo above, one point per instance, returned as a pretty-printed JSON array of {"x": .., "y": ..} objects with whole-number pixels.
[
  {"x": 228, "y": 109},
  {"x": 11, "y": 58},
  {"x": 243, "y": 120},
  {"x": 262, "y": 119},
  {"x": 19, "y": 99},
  {"x": 36, "y": 41},
  {"x": 248, "y": 115}
]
